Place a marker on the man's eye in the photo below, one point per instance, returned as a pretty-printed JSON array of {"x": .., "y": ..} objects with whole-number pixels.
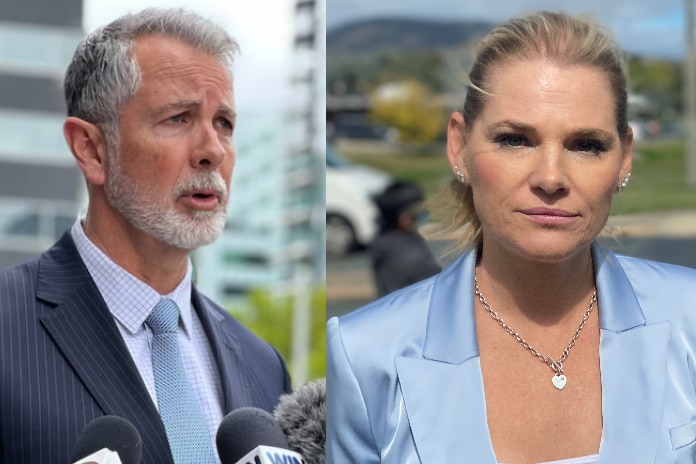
[
  {"x": 177, "y": 118},
  {"x": 225, "y": 123}
]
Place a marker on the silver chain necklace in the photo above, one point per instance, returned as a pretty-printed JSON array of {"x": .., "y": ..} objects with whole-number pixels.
[{"x": 559, "y": 379}]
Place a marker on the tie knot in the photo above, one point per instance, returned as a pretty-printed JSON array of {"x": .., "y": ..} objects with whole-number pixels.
[{"x": 164, "y": 317}]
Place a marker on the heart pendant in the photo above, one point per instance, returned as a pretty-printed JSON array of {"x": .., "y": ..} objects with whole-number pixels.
[{"x": 559, "y": 381}]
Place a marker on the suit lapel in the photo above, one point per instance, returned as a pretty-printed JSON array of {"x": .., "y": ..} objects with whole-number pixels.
[
  {"x": 84, "y": 331},
  {"x": 226, "y": 351},
  {"x": 633, "y": 368},
  {"x": 443, "y": 391}
]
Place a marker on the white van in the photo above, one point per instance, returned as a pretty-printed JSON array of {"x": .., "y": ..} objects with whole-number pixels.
[{"x": 351, "y": 215}]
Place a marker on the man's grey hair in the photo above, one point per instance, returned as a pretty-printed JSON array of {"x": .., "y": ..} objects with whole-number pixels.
[{"x": 104, "y": 75}]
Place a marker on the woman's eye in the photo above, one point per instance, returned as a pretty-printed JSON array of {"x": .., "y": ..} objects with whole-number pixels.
[
  {"x": 590, "y": 146},
  {"x": 510, "y": 140}
]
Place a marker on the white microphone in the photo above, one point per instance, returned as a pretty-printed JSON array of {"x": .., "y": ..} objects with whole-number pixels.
[
  {"x": 270, "y": 455},
  {"x": 103, "y": 456},
  {"x": 251, "y": 436}
]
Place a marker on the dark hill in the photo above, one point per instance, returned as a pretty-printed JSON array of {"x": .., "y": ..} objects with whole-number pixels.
[{"x": 396, "y": 35}]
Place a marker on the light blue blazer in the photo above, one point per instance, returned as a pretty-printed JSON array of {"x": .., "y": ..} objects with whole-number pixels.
[{"x": 404, "y": 376}]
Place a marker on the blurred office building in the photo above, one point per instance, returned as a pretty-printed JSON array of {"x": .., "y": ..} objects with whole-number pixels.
[
  {"x": 41, "y": 189},
  {"x": 274, "y": 236}
]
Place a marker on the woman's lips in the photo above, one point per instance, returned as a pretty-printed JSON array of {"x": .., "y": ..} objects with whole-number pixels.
[{"x": 549, "y": 215}]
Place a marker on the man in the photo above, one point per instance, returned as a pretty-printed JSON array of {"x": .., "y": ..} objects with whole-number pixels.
[
  {"x": 150, "y": 121},
  {"x": 400, "y": 257}
]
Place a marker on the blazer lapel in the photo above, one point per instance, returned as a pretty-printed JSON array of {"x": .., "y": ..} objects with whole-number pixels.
[
  {"x": 84, "y": 331},
  {"x": 633, "y": 368},
  {"x": 225, "y": 349},
  {"x": 443, "y": 391},
  {"x": 440, "y": 398}
]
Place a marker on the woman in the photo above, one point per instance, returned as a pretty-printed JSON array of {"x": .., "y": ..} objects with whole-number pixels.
[{"x": 536, "y": 344}]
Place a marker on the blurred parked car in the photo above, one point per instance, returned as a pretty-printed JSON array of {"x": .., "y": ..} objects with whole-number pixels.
[{"x": 351, "y": 214}]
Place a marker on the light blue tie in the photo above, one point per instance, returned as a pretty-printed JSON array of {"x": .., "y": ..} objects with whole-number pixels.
[{"x": 189, "y": 438}]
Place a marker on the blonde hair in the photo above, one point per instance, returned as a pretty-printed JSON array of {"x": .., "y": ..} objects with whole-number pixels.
[{"x": 558, "y": 37}]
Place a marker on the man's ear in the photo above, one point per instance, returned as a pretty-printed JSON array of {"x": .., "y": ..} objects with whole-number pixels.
[
  {"x": 456, "y": 142},
  {"x": 88, "y": 146}
]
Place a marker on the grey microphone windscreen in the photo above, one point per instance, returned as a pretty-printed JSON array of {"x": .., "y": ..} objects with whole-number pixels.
[{"x": 302, "y": 416}]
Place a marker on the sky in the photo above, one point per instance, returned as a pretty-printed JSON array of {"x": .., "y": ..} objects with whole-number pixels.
[
  {"x": 652, "y": 27},
  {"x": 264, "y": 30}
]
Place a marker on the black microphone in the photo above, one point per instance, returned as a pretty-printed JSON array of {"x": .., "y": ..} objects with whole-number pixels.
[
  {"x": 302, "y": 416},
  {"x": 109, "y": 433},
  {"x": 251, "y": 435}
]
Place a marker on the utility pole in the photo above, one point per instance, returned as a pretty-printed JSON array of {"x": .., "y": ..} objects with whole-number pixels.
[{"x": 690, "y": 92}]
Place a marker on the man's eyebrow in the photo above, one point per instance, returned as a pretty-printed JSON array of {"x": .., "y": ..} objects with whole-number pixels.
[
  {"x": 225, "y": 109},
  {"x": 228, "y": 111},
  {"x": 177, "y": 106}
]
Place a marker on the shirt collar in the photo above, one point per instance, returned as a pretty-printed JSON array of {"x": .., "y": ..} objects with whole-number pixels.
[{"x": 129, "y": 299}]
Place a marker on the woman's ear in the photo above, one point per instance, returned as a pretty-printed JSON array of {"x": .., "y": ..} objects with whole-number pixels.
[
  {"x": 627, "y": 155},
  {"x": 456, "y": 143},
  {"x": 88, "y": 146}
]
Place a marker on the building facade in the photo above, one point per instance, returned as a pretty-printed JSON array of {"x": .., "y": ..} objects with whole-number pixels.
[
  {"x": 40, "y": 186},
  {"x": 274, "y": 237}
]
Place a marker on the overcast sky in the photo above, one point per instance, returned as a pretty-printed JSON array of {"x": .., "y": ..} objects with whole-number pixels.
[
  {"x": 654, "y": 27},
  {"x": 263, "y": 29}
]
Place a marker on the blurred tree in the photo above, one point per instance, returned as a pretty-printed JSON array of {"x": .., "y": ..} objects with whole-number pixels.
[
  {"x": 357, "y": 73},
  {"x": 658, "y": 80},
  {"x": 270, "y": 317},
  {"x": 411, "y": 109},
  {"x": 422, "y": 67}
]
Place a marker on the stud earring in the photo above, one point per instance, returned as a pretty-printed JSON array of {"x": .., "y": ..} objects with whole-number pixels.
[
  {"x": 624, "y": 182},
  {"x": 460, "y": 176}
]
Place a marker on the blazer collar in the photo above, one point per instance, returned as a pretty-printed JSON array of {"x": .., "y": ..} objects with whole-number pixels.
[
  {"x": 451, "y": 331},
  {"x": 444, "y": 389}
]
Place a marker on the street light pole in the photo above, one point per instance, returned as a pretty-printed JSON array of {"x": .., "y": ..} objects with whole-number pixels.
[{"x": 690, "y": 92}]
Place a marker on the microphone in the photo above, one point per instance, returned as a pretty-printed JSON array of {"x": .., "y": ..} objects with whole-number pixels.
[
  {"x": 251, "y": 436},
  {"x": 109, "y": 440},
  {"x": 302, "y": 416}
]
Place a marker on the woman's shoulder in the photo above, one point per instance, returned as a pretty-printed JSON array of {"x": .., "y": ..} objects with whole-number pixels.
[
  {"x": 401, "y": 308},
  {"x": 656, "y": 273},
  {"x": 664, "y": 291}
]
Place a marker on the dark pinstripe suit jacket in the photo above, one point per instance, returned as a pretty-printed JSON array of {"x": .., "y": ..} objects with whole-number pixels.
[{"x": 63, "y": 363}]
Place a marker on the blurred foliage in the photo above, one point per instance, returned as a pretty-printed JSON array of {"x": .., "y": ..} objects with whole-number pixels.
[
  {"x": 411, "y": 109},
  {"x": 269, "y": 315},
  {"x": 660, "y": 81},
  {"x": 658, "y": 180},
  {"x": 360, "y": 75}
]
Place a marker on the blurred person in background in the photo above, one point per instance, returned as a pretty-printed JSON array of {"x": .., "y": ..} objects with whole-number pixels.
[
  {"x": 536, "y": 345},
  {"x": 399, "y": 254},
  {"x": 108, "y": 322}
]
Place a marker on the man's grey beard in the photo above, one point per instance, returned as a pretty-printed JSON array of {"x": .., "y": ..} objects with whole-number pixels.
[{"x": 139, "y": 205}]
